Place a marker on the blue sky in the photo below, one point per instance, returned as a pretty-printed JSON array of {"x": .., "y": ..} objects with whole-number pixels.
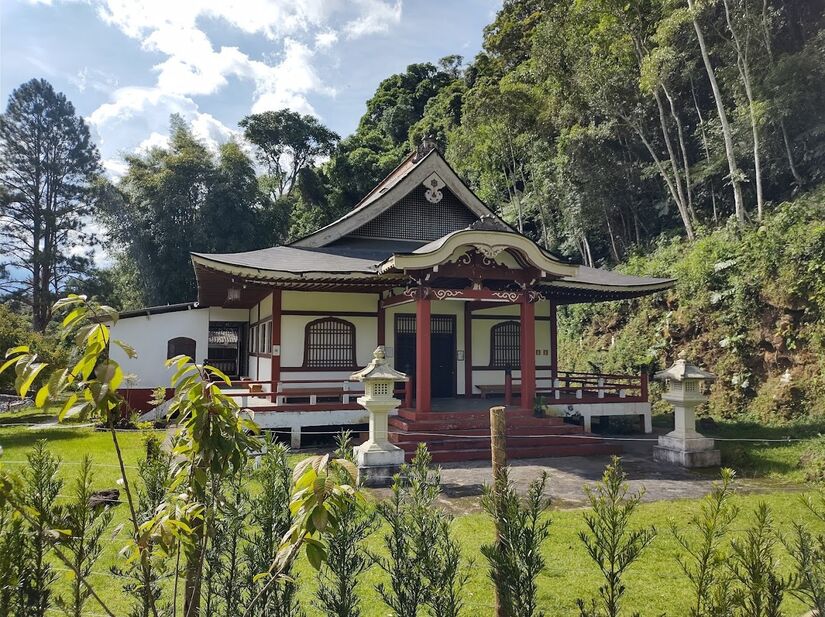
[{"x": 127, "y": 64}]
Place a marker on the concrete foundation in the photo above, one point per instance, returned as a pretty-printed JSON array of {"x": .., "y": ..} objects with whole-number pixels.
[
  {"x": 693, "y": 451},
  {"x": 378, "y": 463}
]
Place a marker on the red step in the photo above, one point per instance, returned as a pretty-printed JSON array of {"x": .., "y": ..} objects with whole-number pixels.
[
  {"x": 465, "y": 436},
  {"x": 482, "y": 443},
  {"x": 454, "y": 456}
]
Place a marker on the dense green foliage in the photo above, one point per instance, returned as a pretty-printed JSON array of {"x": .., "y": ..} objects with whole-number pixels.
[{"x": 750, "y": 305}]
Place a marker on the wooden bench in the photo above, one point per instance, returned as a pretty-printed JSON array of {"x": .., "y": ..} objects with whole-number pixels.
[{"x": 497, "y": 389}]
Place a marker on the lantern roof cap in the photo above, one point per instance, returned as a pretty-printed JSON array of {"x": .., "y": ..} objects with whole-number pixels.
[
  {"x": 378, "y": 369},
  {"x": 683, "y": 370}
]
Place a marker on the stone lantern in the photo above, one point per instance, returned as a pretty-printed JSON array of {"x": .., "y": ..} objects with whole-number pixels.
[
  {"x": 685, "y": 388},
  {"x": 377, "y": 458}
]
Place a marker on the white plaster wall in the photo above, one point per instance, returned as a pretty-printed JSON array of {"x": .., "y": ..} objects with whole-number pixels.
[
  {"x": 148, "y": 335},
  {"x": 264, "y": 370},
  {"x": 217, "y": 313},
  {"x": 326, "y": 304},
  {"x": 292, "y": 337},
  {"x": 321, "y": 301},
  {"x": 265, "y": 307}
]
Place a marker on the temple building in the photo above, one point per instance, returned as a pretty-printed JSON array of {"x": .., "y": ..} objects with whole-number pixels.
[{"x": 463, "y": 304}]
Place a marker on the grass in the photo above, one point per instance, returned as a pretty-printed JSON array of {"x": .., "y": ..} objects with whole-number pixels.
[
  {"x": 655, "y": 585},
  {"x": 781, "y": 460}
]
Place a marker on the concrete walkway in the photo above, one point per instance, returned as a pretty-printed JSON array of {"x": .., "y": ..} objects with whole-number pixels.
[{"x": 463, "y": 483}]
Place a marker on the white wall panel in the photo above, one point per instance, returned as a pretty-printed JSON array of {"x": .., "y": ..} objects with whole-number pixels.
[{"x": 148, "y": 335}]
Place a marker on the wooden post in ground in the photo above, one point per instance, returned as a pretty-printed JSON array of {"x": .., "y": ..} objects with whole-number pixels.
[{"x": 498, "y": 447}]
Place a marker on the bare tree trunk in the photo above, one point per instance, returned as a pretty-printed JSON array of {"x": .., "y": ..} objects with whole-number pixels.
[
  {"x": 668, "y": 180},
  {"x": 674, "y": 163},
  {"x": 588, "y": 256},
  {"x": 707, "y": 148},
  {"x": 515, "y": 188},
  {"x": 744, "y": 73},
  {"x": 680, "y": 132},
  {"x": 613, "y": 247},
  {"x": 738, "y": 201}
]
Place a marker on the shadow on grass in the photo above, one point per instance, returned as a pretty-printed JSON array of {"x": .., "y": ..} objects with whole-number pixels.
[{"x": 26, "y": 438}]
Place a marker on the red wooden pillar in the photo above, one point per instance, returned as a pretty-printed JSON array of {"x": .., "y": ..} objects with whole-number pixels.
[
  {"x": 382, "y": 329},
  {"x": 554, "y": 343},
  {"x": 275, "y": 349},
  {"x": 528, "y": 351},
  {"x": 422, "y": 351},
  {"x": 468, "y": 350}
]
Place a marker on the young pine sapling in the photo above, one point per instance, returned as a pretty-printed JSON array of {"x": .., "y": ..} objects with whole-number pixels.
[
  {"x": 705, "y": 551},
  {"x": 515, "y": 557},
  {"x": 83, "y": 524},
  {"x": 610, "y": 540}
]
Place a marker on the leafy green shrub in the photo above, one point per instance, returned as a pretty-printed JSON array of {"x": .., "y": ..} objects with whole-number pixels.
[
  {"x": 813, "y": 461},
  {"x": 15, "y": 330}
]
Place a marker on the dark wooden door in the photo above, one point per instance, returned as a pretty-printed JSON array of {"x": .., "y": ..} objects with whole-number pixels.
[
  {"x": 442, "y": 365},
  {"x": 442, "y": 351}
]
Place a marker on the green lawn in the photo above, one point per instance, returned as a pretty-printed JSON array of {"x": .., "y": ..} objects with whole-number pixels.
[
  {"x": 779, "y": 461},
  {"x": 655, "y": 584}
]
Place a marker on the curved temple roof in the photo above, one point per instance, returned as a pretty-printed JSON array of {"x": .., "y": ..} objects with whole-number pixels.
[
  {"x": 327, "y": 265},
  {"x": 335, "y": 258}
]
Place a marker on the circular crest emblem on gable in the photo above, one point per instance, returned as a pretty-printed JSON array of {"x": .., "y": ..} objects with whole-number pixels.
[{"x": 433, "y": 184}]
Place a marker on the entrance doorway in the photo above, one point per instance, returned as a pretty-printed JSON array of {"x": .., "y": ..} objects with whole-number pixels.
[{"x": 442, "y": 351}]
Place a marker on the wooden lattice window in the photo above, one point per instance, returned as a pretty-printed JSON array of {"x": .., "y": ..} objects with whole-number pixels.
[
  {"x": 329, "y": 343},
  {"x": 505, "y": 345},
  {"x": 180, "y": 346}
]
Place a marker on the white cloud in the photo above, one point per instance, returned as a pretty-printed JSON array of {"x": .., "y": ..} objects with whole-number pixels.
[
  {"x": 326, "y": 39},
  {"x": 155, "y": 140},
  {"x": 192, "y": 66},
  {"x": 376, "y": 16},
  {"x": 115, "y": 168},
  {"x": 94, "y": 79}
]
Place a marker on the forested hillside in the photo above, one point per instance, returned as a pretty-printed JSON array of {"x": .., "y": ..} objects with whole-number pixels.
[
  {"x": 657, "y": 136},
  {"x": 748, "y": 304}
]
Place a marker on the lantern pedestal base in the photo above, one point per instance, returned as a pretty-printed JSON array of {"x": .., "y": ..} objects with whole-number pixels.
[
  {"x": 377, "y": 463},
  {"x": 690, "y": 450}
]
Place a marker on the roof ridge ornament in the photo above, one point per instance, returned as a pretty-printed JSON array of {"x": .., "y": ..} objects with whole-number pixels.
[
  {"x": 424, "y": 148},
  {"x": 488, "y": 223}
]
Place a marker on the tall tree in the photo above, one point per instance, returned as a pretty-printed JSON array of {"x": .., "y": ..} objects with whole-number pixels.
[
  {"x": 156, "y": 222},
  {"x": 48, "y": 170},
  {"x": 727, "y": 132},
  {"x": 288, "y": 142}
]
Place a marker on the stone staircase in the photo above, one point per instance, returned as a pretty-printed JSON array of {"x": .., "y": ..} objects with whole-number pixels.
[{"x": 465, "y": 435}]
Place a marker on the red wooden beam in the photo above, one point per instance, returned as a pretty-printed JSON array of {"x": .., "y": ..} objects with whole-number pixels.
[
  {"x": 382, "y": 330},
  {"x": 554, "y": 341},
  {"x": 468, "y": 350},
  {"x": 528, "y": 353},
  {"x": 422, "y": 353}
]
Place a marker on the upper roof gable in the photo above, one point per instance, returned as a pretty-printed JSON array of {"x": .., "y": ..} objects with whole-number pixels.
[{"x": 408, "y": 176}]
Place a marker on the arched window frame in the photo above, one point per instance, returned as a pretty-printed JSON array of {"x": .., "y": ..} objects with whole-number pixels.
[
  {"x": 333, "y": 349},
  {"x": 181, "y": 346},
  {"x": 505, "y": 345}
]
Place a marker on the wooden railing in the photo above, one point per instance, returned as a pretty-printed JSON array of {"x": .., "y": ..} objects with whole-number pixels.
[
  {"x": 302, "y": 394},
  {"x": 227, "y": 367},
  {"x": 580, "y": 387}
]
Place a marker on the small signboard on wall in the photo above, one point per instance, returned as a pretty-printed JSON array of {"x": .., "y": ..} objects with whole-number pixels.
[{"x": 276, "y": 350}]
